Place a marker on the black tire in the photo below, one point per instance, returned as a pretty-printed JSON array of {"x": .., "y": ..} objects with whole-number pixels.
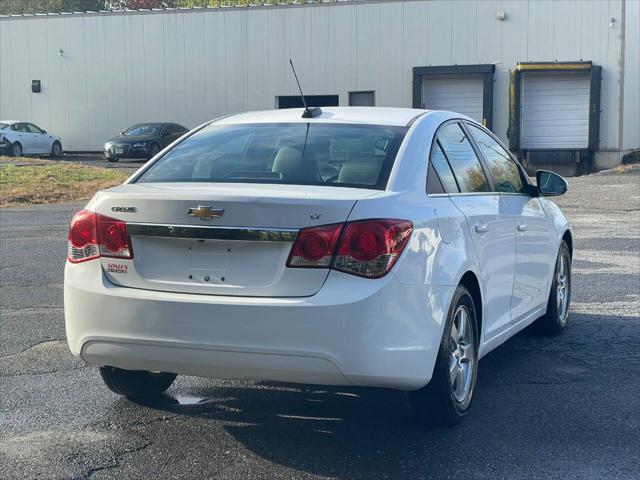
[
  {"x": 56, "y": 150},
  {"x": 136, "y": 383},
  {"x": 16, "y": 149},
  {"x": 153, "y": 150},
  {"x": 112, "y": 159},
  {"x": 555, "y": 321},
  {"x": 437, "y": 403}
]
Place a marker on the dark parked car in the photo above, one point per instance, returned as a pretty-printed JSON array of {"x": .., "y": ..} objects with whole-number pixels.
[{"x": 143, "y": 140}]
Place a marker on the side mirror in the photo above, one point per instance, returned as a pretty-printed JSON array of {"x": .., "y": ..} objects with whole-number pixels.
[
  {"x": 121, "y": 133},
  {"x": 44, "y": 131},
  {"x": 550, "y": 184}
]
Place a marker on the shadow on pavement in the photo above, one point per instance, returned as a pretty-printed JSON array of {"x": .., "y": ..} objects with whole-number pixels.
[{"x": 541, "y": 401}]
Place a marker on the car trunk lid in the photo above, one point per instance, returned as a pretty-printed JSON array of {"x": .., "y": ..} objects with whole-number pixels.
[{"x": 220, "y": 239}]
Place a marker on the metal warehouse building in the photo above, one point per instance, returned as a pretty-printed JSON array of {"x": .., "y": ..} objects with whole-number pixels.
[{"x": 557, "y": 80}]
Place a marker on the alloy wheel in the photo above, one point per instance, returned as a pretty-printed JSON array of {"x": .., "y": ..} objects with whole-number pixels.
[
  {"x": 461, "y": 348},
  {"x": 562, "y": 287}
]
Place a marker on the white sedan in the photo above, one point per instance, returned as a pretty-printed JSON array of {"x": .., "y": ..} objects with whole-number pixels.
[
  {"x": 18, "y": 138},
  {"x": 350, "y": 246}
]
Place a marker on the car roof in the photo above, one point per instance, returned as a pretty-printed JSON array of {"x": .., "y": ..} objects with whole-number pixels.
[
  {"x": 358, "y": 115},
  {"x": 11, "y": 122}
]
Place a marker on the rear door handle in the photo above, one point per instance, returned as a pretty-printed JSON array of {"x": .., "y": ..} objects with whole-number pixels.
[
  {"x": 481, "y": 227},
  {"x": 522, "y": 227}
]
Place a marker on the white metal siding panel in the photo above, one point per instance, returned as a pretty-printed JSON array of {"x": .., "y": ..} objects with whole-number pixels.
[
  {"x": 368, "y": 46},
  {"x": 458, "y": 93},
  {"x": 439, "y": 27},
  {"x": 196, "y": 92},
  {"x": 389, "y": 91},
  {"x": 463, "y": 31},
  {"x": 631, "y": 101},
  {"x": 414, "y": 39},
  {"x": 96, "y": 79},
  {"x": 343, "y": 21},
  {"x": 555, "y": 111}
]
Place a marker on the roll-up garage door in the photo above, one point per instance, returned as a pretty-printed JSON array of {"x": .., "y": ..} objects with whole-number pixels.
[
  {"x": 457, "y": 93},
  {"x": 555, "y": 110}
]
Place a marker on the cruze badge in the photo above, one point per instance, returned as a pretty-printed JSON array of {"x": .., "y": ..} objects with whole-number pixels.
[
  {"x": 124, "y": 209},
  {"x": 204, "y": 212}
]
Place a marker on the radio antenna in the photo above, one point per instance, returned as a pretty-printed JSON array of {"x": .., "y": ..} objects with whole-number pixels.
[{"x": 308, "y": 112}]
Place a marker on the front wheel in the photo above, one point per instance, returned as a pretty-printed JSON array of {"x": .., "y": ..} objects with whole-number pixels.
[
  {"x": 554, "y": 322},
  {"x": 136, "y": 383},
  {"x": 153, "y": 150},
  {"x": 56, "y": 150},
  {"x": 112, "y": 159},
  {"x": 447, "y": 398}
]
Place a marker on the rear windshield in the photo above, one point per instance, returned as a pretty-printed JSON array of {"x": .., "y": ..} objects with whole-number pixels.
[{"x": 291, "y": 153}]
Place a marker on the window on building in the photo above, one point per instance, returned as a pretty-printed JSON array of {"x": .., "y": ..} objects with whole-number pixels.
[
  {"x": 462, "y": 158},
  {"x": 362, "y": 99},
  {"x": 295, "y": 101}
]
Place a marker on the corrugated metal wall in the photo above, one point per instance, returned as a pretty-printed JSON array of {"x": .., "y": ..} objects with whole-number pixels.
[{"x": 190, "y": 66}]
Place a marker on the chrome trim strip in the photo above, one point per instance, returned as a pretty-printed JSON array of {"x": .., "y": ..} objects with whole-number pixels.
[{"x": 246, "y": 234}]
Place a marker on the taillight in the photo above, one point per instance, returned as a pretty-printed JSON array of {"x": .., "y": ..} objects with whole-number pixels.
[
  {"x": 315, "y": 246},
  {"x": 368, "y": 248},
  {"x": 83, "y": 240},
  {"x": 92, "y": 235}
]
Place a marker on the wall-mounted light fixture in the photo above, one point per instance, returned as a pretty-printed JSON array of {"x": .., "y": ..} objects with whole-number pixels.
[
  {"x": 501, "y": 15},
  {"x": 61, "y": 52},
  {"x": 35, "y": 86},
  {"x": 612, "y": 22}
]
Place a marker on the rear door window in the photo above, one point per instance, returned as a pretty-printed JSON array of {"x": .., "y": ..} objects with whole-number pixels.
[
  {"x": 464, "y": 162},
  {"x": 292, "y": 153}
]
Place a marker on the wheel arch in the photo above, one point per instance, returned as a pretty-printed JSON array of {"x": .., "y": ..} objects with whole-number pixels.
[
  {"x": 568, "y": 237},
  {"x": 471, "y": 282}
]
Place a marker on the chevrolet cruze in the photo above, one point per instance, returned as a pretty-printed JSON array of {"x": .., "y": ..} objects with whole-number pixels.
[{"x": 350, "y": 246}]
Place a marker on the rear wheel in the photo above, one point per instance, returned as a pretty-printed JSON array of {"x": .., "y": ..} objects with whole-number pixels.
[
  {"x": 16, "y": 149},
  {"x": 56, "y": 150},
  {"x": 136, "y": 383},
  {"x": 112, "y": 159},
  {"x": 555, "y": 320},
  {"x": 447, "y": 398}
]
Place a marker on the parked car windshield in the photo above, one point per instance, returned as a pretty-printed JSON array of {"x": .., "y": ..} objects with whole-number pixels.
[
  {"x": 143, "y": 130},
  {"x": 291, "y": 153},
  {"x": 3, "y": 126}
]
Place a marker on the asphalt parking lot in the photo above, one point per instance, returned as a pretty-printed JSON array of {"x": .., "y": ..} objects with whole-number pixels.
[{"x": 562, "y": 407}]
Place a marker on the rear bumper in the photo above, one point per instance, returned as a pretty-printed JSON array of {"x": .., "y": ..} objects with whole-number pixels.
[{"x": 353, "y": 332}]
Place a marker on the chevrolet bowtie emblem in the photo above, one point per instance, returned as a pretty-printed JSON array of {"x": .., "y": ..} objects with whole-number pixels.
[{"x": 204, "y": 212}]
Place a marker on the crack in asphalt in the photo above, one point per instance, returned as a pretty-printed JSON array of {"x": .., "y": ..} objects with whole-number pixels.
[
  {"x": 116, "y": 461},
  {"x": 33, "y": 346}
]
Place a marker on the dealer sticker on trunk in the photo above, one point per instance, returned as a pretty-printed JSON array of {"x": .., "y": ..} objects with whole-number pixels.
[{"x": 117, "y": 268}]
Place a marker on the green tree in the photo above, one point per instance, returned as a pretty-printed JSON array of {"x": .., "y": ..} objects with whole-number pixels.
[{"x": 9, "y": 7}]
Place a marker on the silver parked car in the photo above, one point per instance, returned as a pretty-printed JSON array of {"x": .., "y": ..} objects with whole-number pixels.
[{"x": 18, "y": 138}]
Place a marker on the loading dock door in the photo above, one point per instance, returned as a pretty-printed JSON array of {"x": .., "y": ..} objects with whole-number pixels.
[
  {"x": 554, "y": 112},
  {"x": 458, "y": 93}
]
